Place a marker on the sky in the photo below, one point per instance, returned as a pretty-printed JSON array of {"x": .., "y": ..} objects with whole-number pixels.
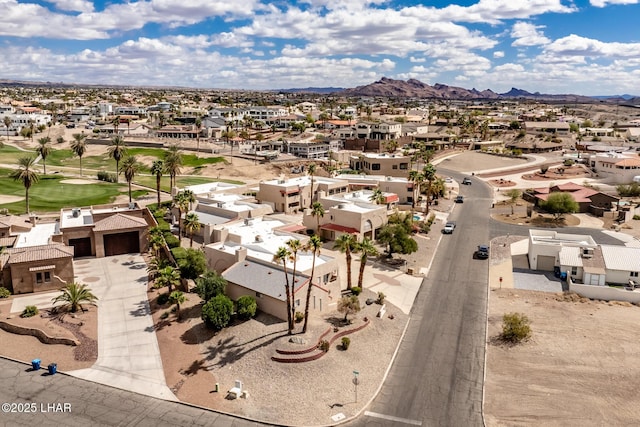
[{"x": 589, "y": 47}]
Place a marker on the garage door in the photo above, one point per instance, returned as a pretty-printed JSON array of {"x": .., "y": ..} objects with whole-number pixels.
[
  {"x": 546, "y": 263},
  {"x": 81, "y": 247},
  {"x": 121, "y": 243}
]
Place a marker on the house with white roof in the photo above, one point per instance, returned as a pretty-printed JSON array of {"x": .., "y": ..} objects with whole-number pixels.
[
  {"x": 243, "y": 255},
  {"x": 616, "y": 168}
]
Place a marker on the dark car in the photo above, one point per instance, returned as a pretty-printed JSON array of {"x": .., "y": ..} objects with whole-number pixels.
[
  {"x": 459, "y": 199},
  {"x": 482, "y": 252},
  {"x": 466, "y": 181}
]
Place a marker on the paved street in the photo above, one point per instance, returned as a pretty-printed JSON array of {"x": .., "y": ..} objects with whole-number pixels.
[{"x": 91, "y": 404}]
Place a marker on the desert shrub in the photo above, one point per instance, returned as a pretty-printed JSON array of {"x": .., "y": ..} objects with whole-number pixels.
[
  {"x": 163, "y": 298},
  {"x": 568, "y": 162},
  {"x": 164, "y": 315},
  {"x": 636, "y": 217},
  {"x": 631, "y": 190},
  {"x": 29, "y": 311},
  {"x": 356, "y": 290},
  {"x": 324, "y": 345},
  {"x": 106, "y": 176},
  {"x": 346, "y": 341},
  {"x": 191, "y": 262},
  {"x": 4, "y": 292},
  {"x": 247, "y": 307},
  {"x": 216, "y": 313},
  {"x": 544, "y": 169},
  {"x": 515, "y": 328},
  {"x": 210, "y": 285},
  {"x": 299, "y": 317},
  {"x": 380, "y": 299}
]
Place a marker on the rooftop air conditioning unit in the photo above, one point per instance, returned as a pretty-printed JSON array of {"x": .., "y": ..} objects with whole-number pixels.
[
  {"x": 75, "y": 212},
  {"x": 587, "y": 252}
]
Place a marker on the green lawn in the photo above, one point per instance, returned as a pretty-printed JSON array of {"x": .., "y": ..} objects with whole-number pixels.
[{"x": 50, "y": 195}]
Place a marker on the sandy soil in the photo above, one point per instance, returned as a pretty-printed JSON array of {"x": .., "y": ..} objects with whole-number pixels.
[
  {"x": 10, "y": 199},
  {"x": 77, "y": 181},
  {"x": 579, "y": 368},
  {"x": 82, "y": 326}
]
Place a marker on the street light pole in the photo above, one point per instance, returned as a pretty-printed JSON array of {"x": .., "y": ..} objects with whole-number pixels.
[{"x": 355, "y": 381}]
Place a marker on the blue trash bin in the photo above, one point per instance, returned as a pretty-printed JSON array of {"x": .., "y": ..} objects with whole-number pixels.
[
  {"x": 53, "y": 368},
  {"x": 35, "y": 364}
]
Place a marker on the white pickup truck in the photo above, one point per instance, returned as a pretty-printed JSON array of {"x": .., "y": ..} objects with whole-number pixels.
[{"x": 449, "y": 227}]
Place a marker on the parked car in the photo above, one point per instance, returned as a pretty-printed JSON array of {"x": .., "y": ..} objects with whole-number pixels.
[
  {"x": 459, "y": 199},
  {"x": 448, "y": 180},
  {"x": 466, "y": 181},
  {"x": 449, "y": 227},
  {"x": 482, "y": 252}
]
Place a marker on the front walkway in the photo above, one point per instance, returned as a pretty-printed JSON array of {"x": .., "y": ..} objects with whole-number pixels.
[{"x": 128, "y": 352}]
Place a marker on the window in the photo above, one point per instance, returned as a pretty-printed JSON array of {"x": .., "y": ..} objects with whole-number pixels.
[
  {"x": 404, "y": 166},
  {"x": 47, "y": 276},
  {"x": 43, "y": 277},
  {"x": 633, "y": 274},
  {"x": 375, "y": 166},
  {"x": 394, "y": 167},
  {"x": 574, "y": 271}
]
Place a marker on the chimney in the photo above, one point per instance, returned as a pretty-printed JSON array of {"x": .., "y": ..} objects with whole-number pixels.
[
  {"x": 33, "y": 219},
  {"x": 241, "y": 254}
]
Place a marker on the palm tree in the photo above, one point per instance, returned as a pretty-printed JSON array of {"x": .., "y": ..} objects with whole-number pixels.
[
  {"x": 156, "y": 264},
  {"x": 377, "y": 197},
  {"x": 314, "y": 245},
  {"x": 116, "y": 151},
  {"x": 366, "y": 249},
  {"x": 73, "y": 295},
  {"x": 172, "y": 163},
  {"x": 26, "y": 174},
  {"x": 130, "y": 167},
  {"x": 79, "y": 146},
  {"x": 44, "y": 149},
  {"x": 116, "y": 124},
  {"x": 181, "y": 201},
  {"x": 417, "y": 178},
  {"x": 191, "y": 225},
  {"x": 168, "y": 276},
  {"x": 157, "y": 169},
  {"x": 281, "y": 256},
  {"x": 312, "y": 171},
  {"x": 177, "y": 298},
  {"x": 317, "y": 210},
  {"x": 429, "y": 173},
  {"x": 7, "y": 123},
  {"x": 345, "y": 244},
  {"x": 294, "y": 246},
  {"x": 198, "y": 127}
]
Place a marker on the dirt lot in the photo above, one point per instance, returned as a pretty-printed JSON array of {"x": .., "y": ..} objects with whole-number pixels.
[{"x": 579, "y": 368}]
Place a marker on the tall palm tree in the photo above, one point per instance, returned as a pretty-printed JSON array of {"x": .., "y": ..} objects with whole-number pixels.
[
  {"x": 317, "y": 210},
  {"x": 366, "y": 249},
  {"x": 79, "y": 146},
  {"x": 7, "y": 122},
  {"x": 314, "y": 245},
  {"x": 116, "y": 124},
  {"x": 73, "y": 296},
  {"x": 312, "y": 172},
  {"x": 25, "y": 174},
  {"x": 191, "y": 225},
  {"x": 181, "y": 201},
  {"x": 294, "y": 246},
  {"x": 172, "y": 163},
  {"x": 198, "y": 128},
  {"x": 156, "y": 264},
  {"x": 168, "y": 276},
  {"x": 44, "y": 149},
  {"x": 116, "y": 151},
  {"x": 429, "y": 173},
  {"x": 130, "y": 167},
  {"x": 345, "y": 244},
  {"x": 281, "y": 256},
  {"x": 157, "y": 169},
  {"x": 417, "y": 178}
]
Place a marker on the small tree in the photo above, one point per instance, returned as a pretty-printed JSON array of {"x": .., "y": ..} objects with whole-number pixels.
[
  {"x": 177, "y": 298},
  {"x": 217, "y": 312},
  {"x": 559, "y": 204},
  {"x": 193, "y": 264},
  {"x": 515, "y": 328},
  {"x": 513, "y": 195},
  {"x": 246, "y": 307},
  {"x": 544, "y": 169},
  {"x": 209, "y": 285},
  {"x": 348, "y": 305}
]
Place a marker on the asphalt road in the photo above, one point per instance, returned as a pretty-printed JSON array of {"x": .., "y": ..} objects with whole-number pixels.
[{"x": 437, "y": 377}]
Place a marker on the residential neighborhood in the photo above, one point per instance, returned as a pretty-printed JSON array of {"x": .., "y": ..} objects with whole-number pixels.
[{"x": 243, "y": 236}]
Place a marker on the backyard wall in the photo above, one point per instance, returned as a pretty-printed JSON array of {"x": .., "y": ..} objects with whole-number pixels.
[{"x": 605, "y": 293}]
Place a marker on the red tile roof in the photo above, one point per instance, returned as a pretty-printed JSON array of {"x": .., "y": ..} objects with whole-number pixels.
[
  {"x": 340, "y": 228},
  {"x": 39, "y": 253}
]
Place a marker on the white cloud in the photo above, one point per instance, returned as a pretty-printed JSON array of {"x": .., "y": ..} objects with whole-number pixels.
[
  {"x": 73, "y": 5},
  {"x": 604, "y": 3},
  {"x": 574, "y": 45},
  {"x": 498, "y": 54},
  {"x": 527, "y": 34}
]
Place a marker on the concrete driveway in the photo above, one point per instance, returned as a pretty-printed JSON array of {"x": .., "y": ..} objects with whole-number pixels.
[{"x": 128, "y": 352}]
